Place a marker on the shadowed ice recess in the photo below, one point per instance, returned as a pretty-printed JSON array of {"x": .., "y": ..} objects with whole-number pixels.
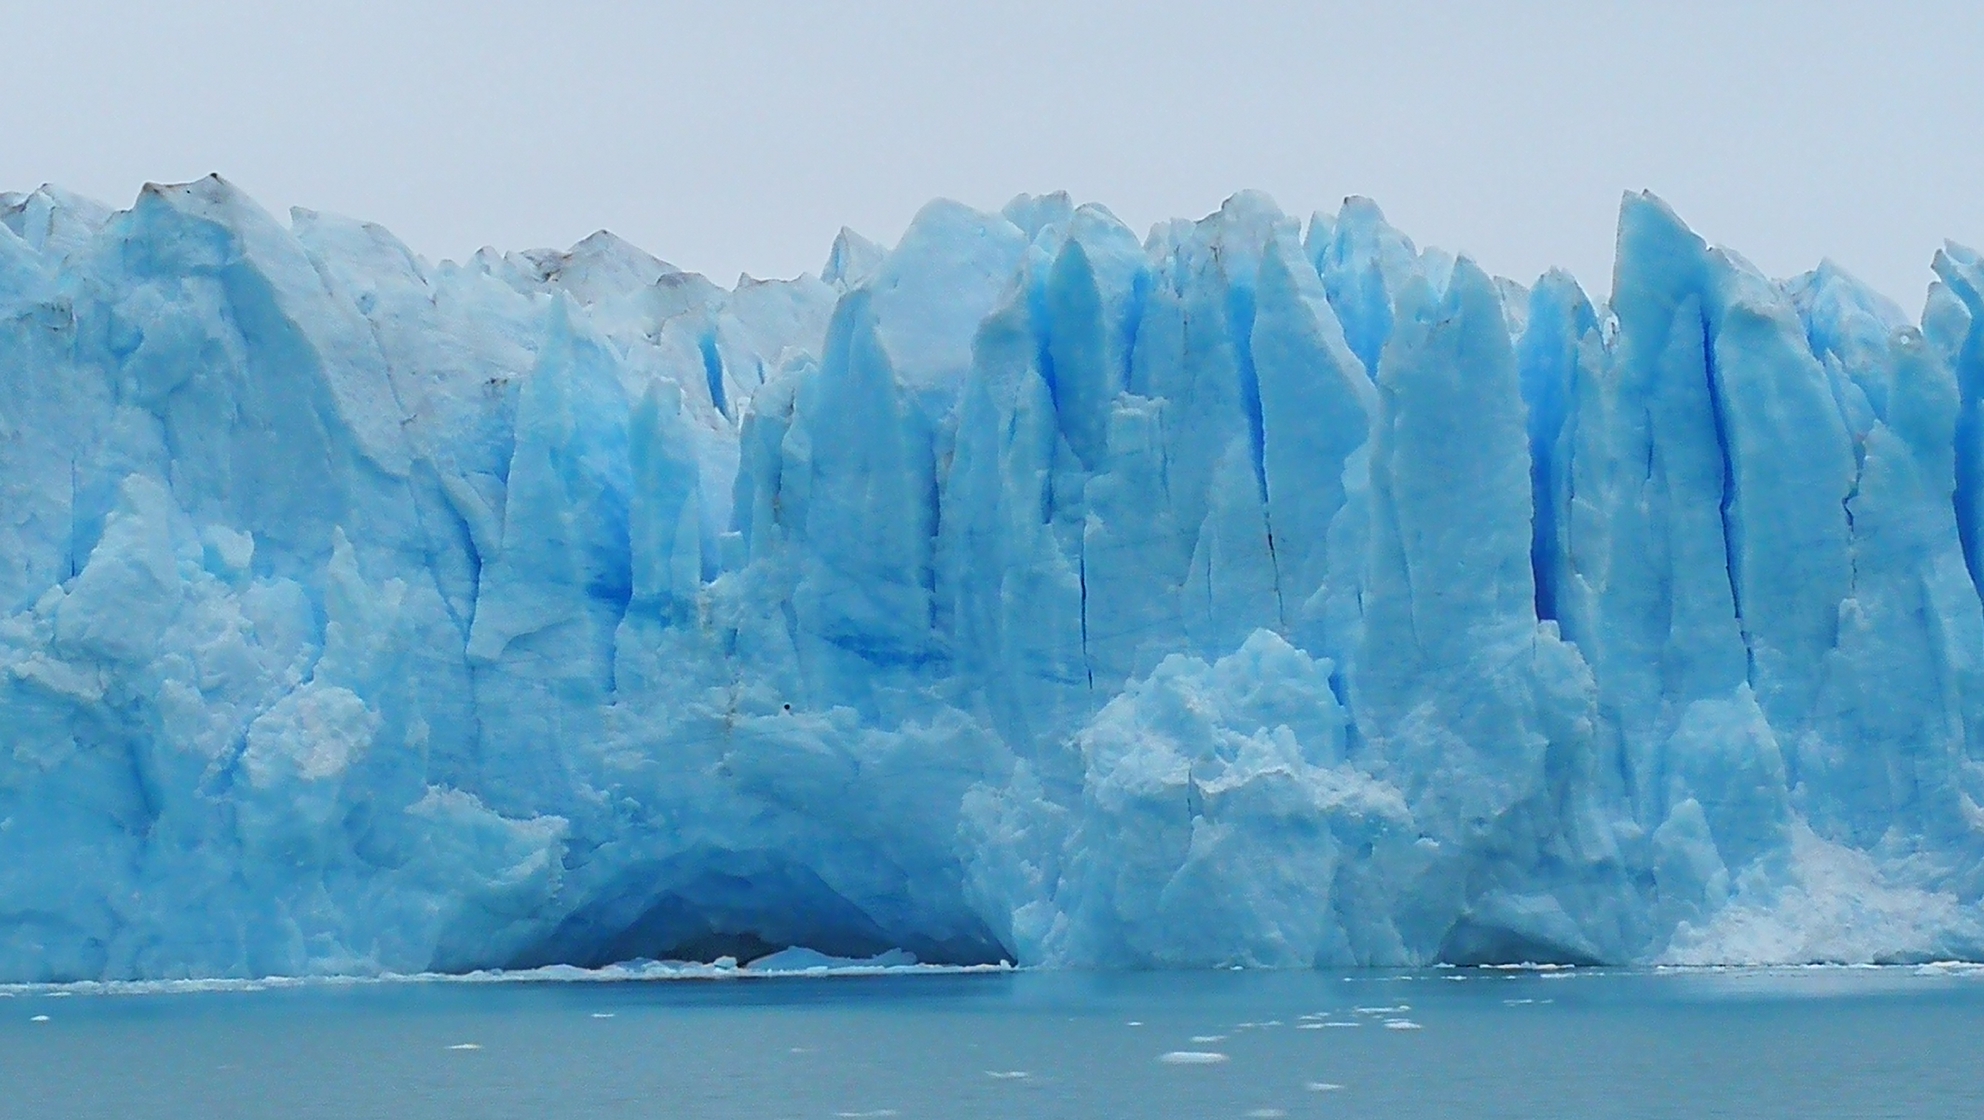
[{"x": 1258, "y": 594}]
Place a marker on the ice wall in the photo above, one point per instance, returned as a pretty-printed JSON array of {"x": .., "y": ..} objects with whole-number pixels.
[{"x": 1256, "y": 593}]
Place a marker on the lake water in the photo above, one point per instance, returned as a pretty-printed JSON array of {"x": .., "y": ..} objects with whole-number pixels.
[{"x": 1799, "y": 1043}]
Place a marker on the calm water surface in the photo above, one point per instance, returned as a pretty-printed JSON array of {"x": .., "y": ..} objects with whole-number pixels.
[{"x": 1752, "y": 1044}]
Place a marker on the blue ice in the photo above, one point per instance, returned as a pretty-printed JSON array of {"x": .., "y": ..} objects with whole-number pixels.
[{"x": 1252, "y": 593}]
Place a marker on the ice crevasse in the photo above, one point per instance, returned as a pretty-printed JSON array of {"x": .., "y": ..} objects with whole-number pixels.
[{"x": 1259, "y": 593}]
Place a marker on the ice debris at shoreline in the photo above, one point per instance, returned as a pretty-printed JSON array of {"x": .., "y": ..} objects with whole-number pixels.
[
  {"x": 725, "y": 968},
  {"x": 1258, "y": 593}
]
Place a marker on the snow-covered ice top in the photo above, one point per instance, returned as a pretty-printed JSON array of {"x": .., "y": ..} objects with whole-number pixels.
[{"x": 1257, "y": 593}]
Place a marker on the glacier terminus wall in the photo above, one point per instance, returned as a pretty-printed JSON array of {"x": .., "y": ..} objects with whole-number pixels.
[{"x": 1260, "y": 592}]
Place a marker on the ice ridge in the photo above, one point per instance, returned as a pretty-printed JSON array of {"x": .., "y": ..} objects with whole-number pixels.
[{"x": 1250, "y": 594}]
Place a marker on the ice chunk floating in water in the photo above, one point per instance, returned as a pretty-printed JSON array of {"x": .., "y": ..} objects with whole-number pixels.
[{"x": 1257, "y": 594}]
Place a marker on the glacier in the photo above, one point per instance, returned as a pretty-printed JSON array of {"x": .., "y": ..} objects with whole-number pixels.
[{"x": 1261, "y": 592}]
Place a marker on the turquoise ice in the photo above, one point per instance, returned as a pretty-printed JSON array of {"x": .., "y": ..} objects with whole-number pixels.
[{"x": 1258, "y": 593}]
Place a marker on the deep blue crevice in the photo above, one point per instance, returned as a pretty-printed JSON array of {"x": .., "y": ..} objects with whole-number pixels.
[
  {"x": 881, "y": 652},
  {"x": 1731, "y": 554},
  {"x": 713, "y": 370},
  {"x": 1240, "y": 321},
  {"x": 1274, "y": 569},
  {"x": 69, "y": 546},
  {"x": 1081, "y": 570},
  {"x": 1132, "y": 322},
  {"x": 1240, "y": 308},
  {"x": 1543, "y": 384},
  {"x": 1969, "y": 431},
  {"x": 1363, "y": 306},
  {"x": 1958, "y": 273},
  {"x": 1547, "y": 361},
  {"x": 1543, "y": 535},
  {"x": 1353, "y": 735},
  {"x": 1040, "y": 314}
]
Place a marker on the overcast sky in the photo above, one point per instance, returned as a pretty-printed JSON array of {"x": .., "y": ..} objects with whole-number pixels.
[{"x": 739, "y": 136}]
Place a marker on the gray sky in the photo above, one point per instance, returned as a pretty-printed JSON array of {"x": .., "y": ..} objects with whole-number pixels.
[{"x": 740, "y": 135}]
